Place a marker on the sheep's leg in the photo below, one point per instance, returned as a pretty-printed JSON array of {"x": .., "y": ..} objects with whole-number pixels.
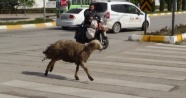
[
  {"x": 76, "y": 74},
  {"x": 52, "y": 67},
  {"x": 51, "y": 63},
  {"x": 86, "y": 70}
]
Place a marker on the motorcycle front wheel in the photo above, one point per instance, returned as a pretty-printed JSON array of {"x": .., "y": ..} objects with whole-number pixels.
[{"x": 105, "y": 43}]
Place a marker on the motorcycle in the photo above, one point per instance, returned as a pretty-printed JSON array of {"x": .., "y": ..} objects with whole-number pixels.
[{"x": 100, "y": 34}]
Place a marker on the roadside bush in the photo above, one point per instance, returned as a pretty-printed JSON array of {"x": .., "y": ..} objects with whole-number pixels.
[
  {"x": 162, "y": 5},
  {"x": 167, "y": 31},
  {"x": 37, "y": 20}
]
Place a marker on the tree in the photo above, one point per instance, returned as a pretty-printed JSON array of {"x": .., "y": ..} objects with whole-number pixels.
[
  {"x": 8, "y": 4},
  {"x": 178, "y": 5},
  {"x": 136, "y": 2},
  {"x": 153, "y": 6},
  {"x": 183, "y": 5},
  {"x": 169, "y": 5},
  {"x": 27, "y": 3},
  {"x": 162, "y": 5}
]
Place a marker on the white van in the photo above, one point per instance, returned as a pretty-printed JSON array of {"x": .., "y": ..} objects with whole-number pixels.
[{"x": 121, "y": 15}]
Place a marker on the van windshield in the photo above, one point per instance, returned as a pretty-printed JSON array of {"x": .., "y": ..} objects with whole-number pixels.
[
  {"x": 100, "y": 7},
  {"x": 75, "y": 11}
]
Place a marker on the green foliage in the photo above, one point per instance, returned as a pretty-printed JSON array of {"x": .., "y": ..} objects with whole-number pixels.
[
  {"x": 183, "y": 5},
  {"x": 136, "y": 2},
  {"x": 5, "y": 4},
  {"x": 178, "y": 5},
  {"x": 167, "y": 31},
  {"x": 162, "y": 5},
  {"x": 37, "y": 20},
  {"x": 169, "y": 5},
  {"x": 28, "y": 3}
]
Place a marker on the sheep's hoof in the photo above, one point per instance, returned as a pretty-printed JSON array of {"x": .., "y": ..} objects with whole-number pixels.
[
  {"x": 46, "y": 73},
  {"x": 91, "y": 79},
  {"x": 51, "y": 69},
  {"x": 77, "y": 78}
]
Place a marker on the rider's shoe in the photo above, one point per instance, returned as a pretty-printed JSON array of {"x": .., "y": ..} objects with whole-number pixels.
[{"x": 105, "y": 37}]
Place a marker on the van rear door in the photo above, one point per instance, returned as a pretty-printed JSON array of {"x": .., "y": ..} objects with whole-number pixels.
[{"x": 101, "y": 8}]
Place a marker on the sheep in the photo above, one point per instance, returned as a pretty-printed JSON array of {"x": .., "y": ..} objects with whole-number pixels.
[{"x": 73, "y": 52}]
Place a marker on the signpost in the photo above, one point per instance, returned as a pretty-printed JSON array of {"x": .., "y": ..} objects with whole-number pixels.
[
  {"x": 173, "y": 16},
  {"x": 146, "y": 5}
]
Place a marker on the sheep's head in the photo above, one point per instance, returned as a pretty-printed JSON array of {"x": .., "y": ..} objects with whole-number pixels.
[{"x": 95, "y": 45}]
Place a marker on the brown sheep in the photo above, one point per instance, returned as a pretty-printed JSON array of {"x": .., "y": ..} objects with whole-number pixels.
[{"x": 71, "y": 51}]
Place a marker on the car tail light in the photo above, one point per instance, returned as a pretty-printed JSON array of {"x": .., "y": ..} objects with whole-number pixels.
[
  {"x": 72, "y": 17},
  {"x": 108, "y": 15}
]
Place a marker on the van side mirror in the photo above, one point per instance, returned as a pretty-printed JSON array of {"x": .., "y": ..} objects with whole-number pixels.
[{"x": 140, "y": 13}]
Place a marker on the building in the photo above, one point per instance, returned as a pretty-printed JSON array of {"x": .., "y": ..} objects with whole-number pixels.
[{"x": 52, "y": 3}]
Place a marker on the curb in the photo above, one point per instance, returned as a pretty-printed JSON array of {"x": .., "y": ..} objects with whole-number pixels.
[
  {"x": 163, "y": 14},
  {"x": 39, "y": 25},
  {"x": 156, "y": 38}
]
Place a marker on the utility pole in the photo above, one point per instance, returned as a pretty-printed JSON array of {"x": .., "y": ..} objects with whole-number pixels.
[
  {"x": 44, "y": 10},
  {"x": 24, "y": 8},
  {"x": 81, "y": 2}
]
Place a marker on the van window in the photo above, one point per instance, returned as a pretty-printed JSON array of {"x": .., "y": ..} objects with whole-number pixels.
[
  {"x": 133, "y": 10},
  {"x": 100, "y": 7},
  {"x": 75, "y": 11},
  {"x": 121, "y": 8}
]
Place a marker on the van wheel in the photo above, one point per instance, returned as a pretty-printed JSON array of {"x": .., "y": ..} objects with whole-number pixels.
[
  {"x": 116, "y": 27},
  {"x": 143, "y": 26},
  {"x": 65, "y": 28}
]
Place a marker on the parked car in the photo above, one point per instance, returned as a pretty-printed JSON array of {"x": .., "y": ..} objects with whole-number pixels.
[
  {"x": 71, "y": 18},
  {"x": 121, "y": 15}
]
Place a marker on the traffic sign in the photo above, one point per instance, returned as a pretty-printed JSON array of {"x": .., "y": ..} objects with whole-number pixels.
[
  {"x": 146, "y": 5},
  {"x": 63, "y": 3}
]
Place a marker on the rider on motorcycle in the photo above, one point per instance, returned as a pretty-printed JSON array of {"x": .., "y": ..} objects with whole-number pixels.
[{"x": 91, "y": 14}]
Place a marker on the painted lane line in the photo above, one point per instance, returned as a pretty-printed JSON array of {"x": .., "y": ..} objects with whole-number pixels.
[
  {"x": 147, "y": 60},
  {"x": 124, "y": 83},
  {"x": 65, "y": 90}
]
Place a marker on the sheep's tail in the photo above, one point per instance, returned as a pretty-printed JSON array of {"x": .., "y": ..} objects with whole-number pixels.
[{"x": 45, "y": 53}]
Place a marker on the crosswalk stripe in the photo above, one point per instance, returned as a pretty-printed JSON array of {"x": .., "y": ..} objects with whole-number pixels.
[
  {"x": 65, "y": 90},
  {"x": 139, "y": 66},
  {"x": 169, "y": 45},
  {"x": 125, "y": 83},
  {"x": 167, "y": 48},
  {"x": 147, "y": 60},
  {"x": 162, "y": 51},
  {"x": 155, "y": 55},
  {"x": 9, "y": 96},
  {"x": 142, "y": 74}
]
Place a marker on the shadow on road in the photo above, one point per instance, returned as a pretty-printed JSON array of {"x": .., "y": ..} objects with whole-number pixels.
[
  {"x": 42, "y": 75},
  {"x": 52, "y": 76}
]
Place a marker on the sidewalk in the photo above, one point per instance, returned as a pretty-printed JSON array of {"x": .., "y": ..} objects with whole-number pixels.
[
  {"x": 18, "y": 17},
  {"x": 14, "y": 17}
]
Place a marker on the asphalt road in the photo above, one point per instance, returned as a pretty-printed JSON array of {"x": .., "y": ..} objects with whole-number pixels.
[
  {"x": 125, "y": 70},
  {"x": 162, "y": 21}
]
